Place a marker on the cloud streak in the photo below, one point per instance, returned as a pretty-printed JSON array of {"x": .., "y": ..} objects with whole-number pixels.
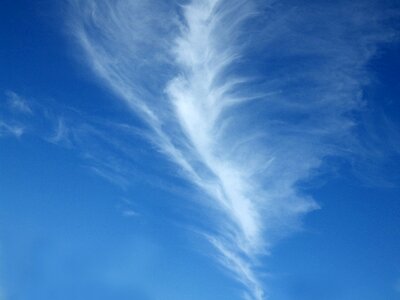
[
  {"x": 13, "y": 105},
  {"x": 18, "y": 103},
  {"x": 246, "y": 98},
  {"x": 11, "y": 129}
]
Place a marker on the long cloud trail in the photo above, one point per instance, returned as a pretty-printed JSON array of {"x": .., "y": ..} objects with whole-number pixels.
[{"x": 192, "y": 73}]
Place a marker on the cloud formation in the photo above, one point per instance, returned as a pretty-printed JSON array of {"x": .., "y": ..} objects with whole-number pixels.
[
  {"x": 13, "y": 129},
  {"x": 246, "y": 98},
  {"x": 13, "y": 105},
  {"x": 17, "y": 103}
]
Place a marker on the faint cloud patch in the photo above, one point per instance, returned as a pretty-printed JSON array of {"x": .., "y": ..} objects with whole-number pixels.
[
  {"x": 61, "y": 134},
  {"x": 11, "y": 105},
  {"x": 130, "y": 213},
  {"x": 7, "y": 129},
  {"x": 127, "y": 209},
  {"x": 397, "y": 286},
  {"x": 108, "y": 148},
  {"x": 17, "y": 103},
  {"x": 110, "y": 174}
]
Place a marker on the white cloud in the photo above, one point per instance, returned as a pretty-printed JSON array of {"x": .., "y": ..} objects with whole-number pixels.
[{"x": 247, "y": 145}]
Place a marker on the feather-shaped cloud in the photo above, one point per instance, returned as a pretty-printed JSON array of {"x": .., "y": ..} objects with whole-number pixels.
[{"x": 246, "y": 98}]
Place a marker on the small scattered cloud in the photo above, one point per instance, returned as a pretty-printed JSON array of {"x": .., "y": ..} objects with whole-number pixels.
[
  {"x": 127, "y": 209},
  {"x": 7, "y": 129},
  {"x": 17, "y": 103},
  {"x": 11, "y": 109},
  {"x": 130, "y": 213},
  {"x": 106, "y": 147},
  {"x": 61, "y": 134},
  {"x": 110, "y": 175}
]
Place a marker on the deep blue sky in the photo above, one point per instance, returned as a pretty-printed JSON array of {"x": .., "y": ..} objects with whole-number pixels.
[{"x": 67, "y": 232}]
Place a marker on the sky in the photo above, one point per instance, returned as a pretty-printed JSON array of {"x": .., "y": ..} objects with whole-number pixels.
[{"x": 199, "y": 149}]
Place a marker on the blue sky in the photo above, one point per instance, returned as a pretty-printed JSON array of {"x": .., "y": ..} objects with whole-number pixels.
[{"x": 204, "y": 149}]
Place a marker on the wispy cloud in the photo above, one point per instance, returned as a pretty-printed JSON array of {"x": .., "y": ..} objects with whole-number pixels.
[
  {"x": 247, "y": 104},
  {"x": 13, "y": 104},
  {"x": 17, "y": 103},
  {"x": 11, "y": 129},
  {"x": 106, "y": 147}
]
